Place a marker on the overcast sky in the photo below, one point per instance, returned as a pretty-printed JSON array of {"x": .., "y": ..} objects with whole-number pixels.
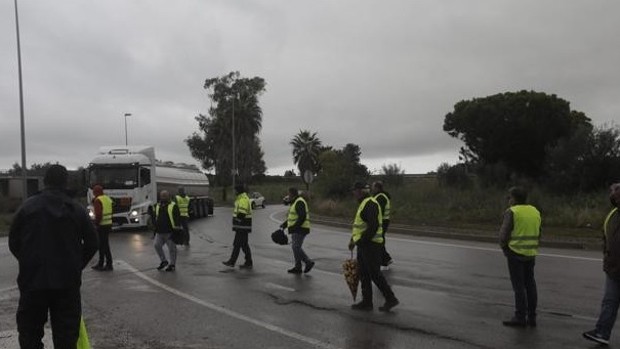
[{"x": 380, "y": 74}]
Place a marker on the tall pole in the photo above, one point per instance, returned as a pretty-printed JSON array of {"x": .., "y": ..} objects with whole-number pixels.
[
  {"x": 21, "y": 108},
  {"x": 126, "y": 115},
  {"x": 234, "y": 168}
]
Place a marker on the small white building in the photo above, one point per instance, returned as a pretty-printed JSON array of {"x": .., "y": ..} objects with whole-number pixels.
[{"x": 12, "y": 186}]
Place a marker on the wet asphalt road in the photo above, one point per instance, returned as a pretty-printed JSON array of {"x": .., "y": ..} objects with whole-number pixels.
[{"x": 453, "y": 294}]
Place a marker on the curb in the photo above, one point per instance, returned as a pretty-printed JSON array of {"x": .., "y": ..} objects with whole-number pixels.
[{"x": 584, "y": 244}]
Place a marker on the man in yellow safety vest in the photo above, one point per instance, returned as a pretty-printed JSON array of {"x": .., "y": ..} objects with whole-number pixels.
[
  {"x": 182, "y": 201},
  {"x": 519, "y": 237},
  {"x": 367, "y": 235},
  {"x": 611, "y": 266},
  {"x": 166, "y": 218},
  {"x": 102, "y": 205},
  {"x": 298, "y": 224},
  {"x": 242, "y": 226}
]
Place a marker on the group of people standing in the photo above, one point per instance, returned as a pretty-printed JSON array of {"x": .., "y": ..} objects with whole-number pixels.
[{"x": 53, "y": 239}]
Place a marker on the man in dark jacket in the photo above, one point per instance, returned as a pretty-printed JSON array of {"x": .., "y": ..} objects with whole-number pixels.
[
  {"x": 166, "y": 220},
  {"x": 298, "y": 224},
  {"x": 367, "y": 235},
  {"x": 385, "y": 204},
  {"x": 611, "y": 266},
  {"x": 53, "y": 240}
]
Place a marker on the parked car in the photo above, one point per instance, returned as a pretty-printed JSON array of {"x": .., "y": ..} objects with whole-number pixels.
[
  {"x": 257, "y": 199},
  {"x": 286, "y": 200}
]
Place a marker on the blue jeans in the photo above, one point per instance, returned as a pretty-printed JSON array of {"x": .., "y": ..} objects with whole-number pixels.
[
  {"x": 298, "y": 251},
  {"x": 523, "y": 285},
  {"x": 609, "y": 307}
]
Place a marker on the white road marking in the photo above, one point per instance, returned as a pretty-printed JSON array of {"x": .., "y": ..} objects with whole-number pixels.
[
  {"x": 8, "y": 289},
  {"x": 311, "y": 341},
  {"x": 280, "y": 287}
]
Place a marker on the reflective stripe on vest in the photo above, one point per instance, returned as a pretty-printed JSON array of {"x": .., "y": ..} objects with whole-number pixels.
[
  {"x": 359, "y": 226},
  {"x": 243, "y": 206},
  {"x": 292, "y": 214},
  {"x": 106, "y": 209},
  {"x": 526, "y": 230},
  {"x": 388, "y": 206},
  {"x": 183, "y": 202},
  {"x": 607, "y": 219},
  {"x": 170, "y": 214}
]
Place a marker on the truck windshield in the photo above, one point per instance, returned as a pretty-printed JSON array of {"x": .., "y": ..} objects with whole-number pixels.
[{"x": 114, "y": 177}]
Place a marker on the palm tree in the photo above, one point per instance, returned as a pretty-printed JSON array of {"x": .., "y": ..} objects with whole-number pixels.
[{"x": 306, "y": 150}]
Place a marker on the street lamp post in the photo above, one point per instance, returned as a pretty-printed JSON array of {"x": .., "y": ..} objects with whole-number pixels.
[
  {"x": 234, "y": 169},
  {"x": 21, "y": 108},
  {"x": 126, "y": 115}
]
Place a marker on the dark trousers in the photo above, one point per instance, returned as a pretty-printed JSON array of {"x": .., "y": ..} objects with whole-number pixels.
[
  {"x": 385, "y": 256},
  {"x": 241, "y": 243},
  {"x": 609, "y": 307},
  {"x": 298, "y": 252},
  {"x": 369, "y": 262},
  {"x": 185, "y": 227},
  {"x": 523, "y": 285},
  {"x": 65, "y": 310},
  {"x": 105, "y": 255}
]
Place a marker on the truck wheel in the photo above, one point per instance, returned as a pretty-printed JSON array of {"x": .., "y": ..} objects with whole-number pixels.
[{"x": 253, "y": 205}]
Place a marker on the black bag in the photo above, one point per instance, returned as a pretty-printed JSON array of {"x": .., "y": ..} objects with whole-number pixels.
[
  {"x": 279, "y": 237},
  {"x": 177, "y": 237}
]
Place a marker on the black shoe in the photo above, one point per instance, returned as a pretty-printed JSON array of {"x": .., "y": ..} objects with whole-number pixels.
[
  {"x": 97, "y": 267},
  {"x": 596, "y": 337},
  {"x": 308, "y": 267},
  {"x": 363, "y": 306},
  {"x": 515, "y": 322},
  {"x": 294, "y": 271},
  {"x": 162, "y": 265},
  {"x": 108, "y": 267},
  {"x": 245, "y": 266},
  {"x": 389, "y": 304},
  {"x": 171, "y": 267},
  {"x": 229, "y": 264}
]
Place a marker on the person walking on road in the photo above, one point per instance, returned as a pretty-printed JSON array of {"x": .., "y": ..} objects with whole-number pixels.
[
  {"x": 182, "y": 201},
  {"x": 367, "y": 235},
  {"x": 242, "y": 226},
  {"x": 166, "y": 216},
  {"x": 385, "y": 204},
  {"x": 519, "y": 238},
  {"x": 53, "y": 240},
  {"x": 611, "y": 266},
  {"x": 298, "y": 224},
  {"x": 102, "y": 205}
]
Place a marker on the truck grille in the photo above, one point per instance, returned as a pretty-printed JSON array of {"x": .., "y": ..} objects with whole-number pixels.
[{"x": 122, "y": 204}]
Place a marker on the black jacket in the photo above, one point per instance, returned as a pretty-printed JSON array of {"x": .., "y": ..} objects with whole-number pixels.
[
  {"x": 296, "y": 228},
  {"x": 611, "y": 249},
  {"x": 53, "y": 240},
  {"x": 162, "y": 221},
  {"x": 369, "y": 214}
]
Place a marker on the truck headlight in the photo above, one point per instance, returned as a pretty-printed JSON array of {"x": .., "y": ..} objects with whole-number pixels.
[
  {"x": 134, "y": 213},
  {"x": 91, "y": 214}
]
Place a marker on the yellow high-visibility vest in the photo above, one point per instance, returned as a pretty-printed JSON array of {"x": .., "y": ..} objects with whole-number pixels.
[
  {"x": 607, "y": 219},
  {"x": 388, "y": 206},
  {"x": 359, "y": 226},
  {"x": 242, "y": 206},
  {"x": 183, "y": 202},
  {"x": 170, "y": 215},
  {"x": 292, "y": 214},
  {"x": 525, "y": 236},
  {"x": 106, "y": 209}
]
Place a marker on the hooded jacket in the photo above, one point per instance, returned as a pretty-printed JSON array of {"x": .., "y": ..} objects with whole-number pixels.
[{"x": 53, "y": 240}]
